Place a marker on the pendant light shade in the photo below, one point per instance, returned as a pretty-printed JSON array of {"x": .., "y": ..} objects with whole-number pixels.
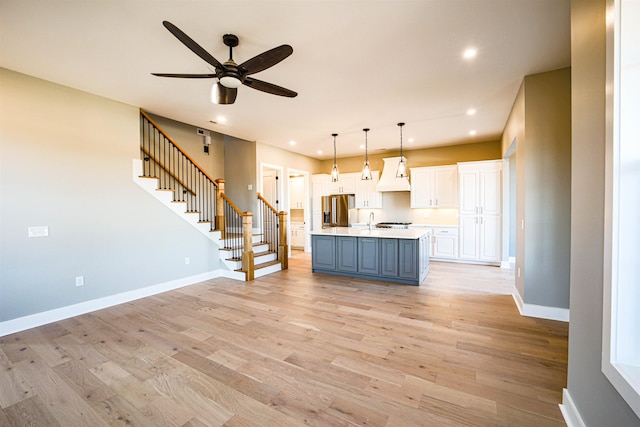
[
  {"x": 366, "y": 170},
  {"x": 402, "y": 166},
  {"x": 334, "y": 171}
]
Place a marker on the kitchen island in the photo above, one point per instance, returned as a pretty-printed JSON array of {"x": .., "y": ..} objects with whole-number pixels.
[{"x": 400, "y": 256}]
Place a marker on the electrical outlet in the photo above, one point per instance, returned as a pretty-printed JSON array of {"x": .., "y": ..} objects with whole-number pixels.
[
  {"x": 187, "y": 261},
  {"x": 79, "y": 280},
  {"x": 39, "y": 231}
]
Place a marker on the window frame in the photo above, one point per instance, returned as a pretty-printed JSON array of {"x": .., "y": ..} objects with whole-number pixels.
[{"x": 621, "y": 293}]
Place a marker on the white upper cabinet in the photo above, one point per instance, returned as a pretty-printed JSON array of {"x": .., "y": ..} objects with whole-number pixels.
[
  {"x": 346, "y": 184},
  {"x": 480, "y": 188},
  {"x": 366, "y": 194},
  {"x": 434, "y": 187},
  {"x": 296, "y": 193},
  {"x": 480, "y": 211}
]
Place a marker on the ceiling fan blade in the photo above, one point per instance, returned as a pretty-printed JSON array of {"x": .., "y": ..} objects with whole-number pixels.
[
  {"x": 195, "y": 47},
  {"x": 185, "y": 76},
  {"x": 269, "y": 87},
  {"x": 223, "y": 95},
  {"x": 266, "y": 59}
]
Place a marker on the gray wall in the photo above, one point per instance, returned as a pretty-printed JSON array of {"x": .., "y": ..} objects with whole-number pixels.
[
  {"x": 193, "y": 144},
  {"x": 597, "y": 401},
  {"x": 240, "y": 161},
  {"x": 512, "y": 205},
  {"x": 66, "y": 162},
  {"x": 540, "y": 123},
  {"x": 547, "y": 188}
]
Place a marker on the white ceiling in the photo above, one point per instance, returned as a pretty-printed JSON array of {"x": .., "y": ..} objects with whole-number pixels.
[{"x": 356, "y": 64}]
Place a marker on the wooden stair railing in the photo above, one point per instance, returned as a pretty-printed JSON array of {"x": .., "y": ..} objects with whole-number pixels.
[
  {"x": 175, "y": 170},
  {"x": 274, "y": 230},
  {"x": 238, "y": 235}
]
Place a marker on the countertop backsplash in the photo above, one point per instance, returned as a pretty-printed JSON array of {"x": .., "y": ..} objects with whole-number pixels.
[
  {"x": 396, "y": 207},
  {"x": 297, "y": 215}
]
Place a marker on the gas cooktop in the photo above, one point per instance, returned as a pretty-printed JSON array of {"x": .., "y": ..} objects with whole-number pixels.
[{"x": 393, "y": 225}]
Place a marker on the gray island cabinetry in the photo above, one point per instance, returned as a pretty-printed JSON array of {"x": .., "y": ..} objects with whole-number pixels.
[{"x": 400, "y": 256}]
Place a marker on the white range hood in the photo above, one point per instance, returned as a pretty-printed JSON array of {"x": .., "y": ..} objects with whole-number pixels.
[{"x": 388, "y": 180}]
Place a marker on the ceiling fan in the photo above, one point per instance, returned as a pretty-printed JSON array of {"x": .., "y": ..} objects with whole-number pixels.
[{"x": 229, "y": 74}]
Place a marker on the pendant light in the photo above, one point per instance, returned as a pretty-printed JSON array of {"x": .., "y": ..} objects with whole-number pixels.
[
  {"x": 402, "y": 166},
  {"x": 366, "y": 170},
  {"x": 334, "y": 171}
]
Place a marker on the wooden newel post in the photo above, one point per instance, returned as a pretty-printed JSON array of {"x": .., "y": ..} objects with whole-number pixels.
[
  {"x": 247, "y": 253},
  {"x": 283, "y": 247},
  {"x": 220, "y": 221}
]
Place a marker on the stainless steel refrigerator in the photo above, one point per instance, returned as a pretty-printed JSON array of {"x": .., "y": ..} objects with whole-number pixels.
[{"x": 338, "y": 210}]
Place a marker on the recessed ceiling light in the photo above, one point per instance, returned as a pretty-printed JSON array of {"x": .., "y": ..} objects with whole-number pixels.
[
  {"x": 319, "y": 151},
  {"x": 292, "y": 143},
  {"x": 472, "y": 132},
  {"x": 470, "y": 53},
  {"x": 410, "y": 140},
  {"x": 221, "y": 119},
  {"x": 471, "y": 111},
  {"x": 362, "y": 146}
]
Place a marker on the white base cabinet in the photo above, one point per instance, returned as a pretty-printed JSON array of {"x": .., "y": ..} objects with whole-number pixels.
[
  {"x": 444, "y": 243},
  {"x": 297, "y": 235}
]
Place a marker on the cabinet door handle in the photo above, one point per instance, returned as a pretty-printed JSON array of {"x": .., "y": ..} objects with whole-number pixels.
[
  {"x": 436, "y": 202},
  {"x": 476, "y": 209}
]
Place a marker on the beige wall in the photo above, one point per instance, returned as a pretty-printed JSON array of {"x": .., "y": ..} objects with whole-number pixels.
[
  {"x": 286, "y": 159},
  {"x": 445, "y": 155}
]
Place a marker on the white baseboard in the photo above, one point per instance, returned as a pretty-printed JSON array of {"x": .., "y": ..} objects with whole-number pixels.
[
  {"x": 39, "y": 319},
  {"x": 540, "y": 311},
  {"x": 569, "y": 411}
]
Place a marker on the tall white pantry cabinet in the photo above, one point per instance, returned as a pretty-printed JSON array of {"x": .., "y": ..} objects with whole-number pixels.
[{"x": 480, "y": 211}]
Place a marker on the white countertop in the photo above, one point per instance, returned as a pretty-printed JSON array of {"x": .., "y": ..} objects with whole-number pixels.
[{"x": 389, "y": 233}]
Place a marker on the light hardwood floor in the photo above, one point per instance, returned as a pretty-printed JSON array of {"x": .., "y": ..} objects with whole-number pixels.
[{"x": 295, "y": 348}]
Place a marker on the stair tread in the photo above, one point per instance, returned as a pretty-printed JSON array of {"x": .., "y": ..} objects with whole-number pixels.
[
  {"x": 255, "y": 255},
  {"x": 240, "y": 247},
  {"x": 263, "y": 265}
]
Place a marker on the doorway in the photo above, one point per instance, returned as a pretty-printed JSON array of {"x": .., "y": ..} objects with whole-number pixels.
[{"x": 299, "y": 212}]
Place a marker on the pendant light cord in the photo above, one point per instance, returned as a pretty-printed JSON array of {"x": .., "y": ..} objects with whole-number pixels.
[
  {"x": 400, "y": 124},
  {"x": 366, "y": 145}
]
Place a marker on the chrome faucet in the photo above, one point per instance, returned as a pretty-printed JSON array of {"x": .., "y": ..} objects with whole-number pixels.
[{"x": 370, "y": 220}]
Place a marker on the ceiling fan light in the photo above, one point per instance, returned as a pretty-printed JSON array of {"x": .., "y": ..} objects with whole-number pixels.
[
  {"x": 230, "y": 82},
  {"x": 222, "y": 95}
]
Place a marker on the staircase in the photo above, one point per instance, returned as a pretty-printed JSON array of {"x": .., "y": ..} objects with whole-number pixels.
[{"x": 168, "y": 173}]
